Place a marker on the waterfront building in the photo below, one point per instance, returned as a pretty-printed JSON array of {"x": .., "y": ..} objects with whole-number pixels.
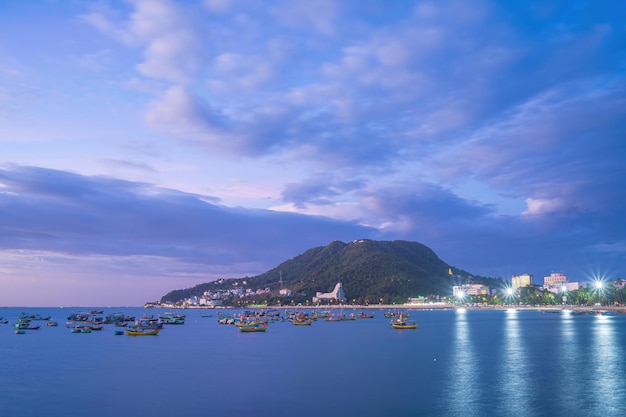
[
  {"x": 555, "y": 278},
  {"x": 519, "y": 281},
  {"x": 416, "y": 300},
  {"x": 285, "y": 291},
  {"x": 469, "y": 289},
  {"x": 557, "y": 283},
  {"x": 336, "y": 294}
]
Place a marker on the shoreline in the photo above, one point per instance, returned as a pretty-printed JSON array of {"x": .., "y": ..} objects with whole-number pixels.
[{"x": 620, "y": 309}]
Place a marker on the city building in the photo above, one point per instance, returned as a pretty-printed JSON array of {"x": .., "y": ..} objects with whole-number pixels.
[
  {"x": 519, "y": 281},
  {"x": 557, "y": 283},
  {"x": 460, "y": 291},
  {"x": 555, "y": 278}
]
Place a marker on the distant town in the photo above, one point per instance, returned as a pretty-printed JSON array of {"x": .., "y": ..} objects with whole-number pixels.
[{"x": 556, "y": 289}]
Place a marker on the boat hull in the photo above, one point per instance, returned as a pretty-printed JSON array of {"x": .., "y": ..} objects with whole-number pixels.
[
  {"x": 404, "y": 326},
  {"x": 152, "y": 332}
]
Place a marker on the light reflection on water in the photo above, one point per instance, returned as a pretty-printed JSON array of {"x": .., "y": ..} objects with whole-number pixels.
[
  {"x": 515, "y": 373},
  {"x": 570, "y": 354},
  {"x": 463, "y": 372},
  {"x": 607, "y": 385}
]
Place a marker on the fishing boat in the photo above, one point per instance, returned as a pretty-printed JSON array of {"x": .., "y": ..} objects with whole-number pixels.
[
  {"x": 20, "y": 331},
  {"x": 257, "y": 327},
  {"x": 302, "y": 322},
  {"x": 333, "y": 318},
  {"x": 364, "y": 315},
  {"x": 80, "y": 329},
  {"x": 140, "y": 331},
  {"x": 407, "y": 325},
  {"x": 403, "y": 323},
  {"x": 170, "y": 318},
  {"x": 25, "y": 325}
]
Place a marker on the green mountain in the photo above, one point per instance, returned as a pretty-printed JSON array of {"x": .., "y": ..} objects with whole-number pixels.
[{"x": 369, "y": 271}]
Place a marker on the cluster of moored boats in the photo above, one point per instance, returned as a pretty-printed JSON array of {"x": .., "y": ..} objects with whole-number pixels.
[
  {"x": 258, "y": 321},
  {"x": 246, "y": 321},
  {"x": 87, "y": 322}
]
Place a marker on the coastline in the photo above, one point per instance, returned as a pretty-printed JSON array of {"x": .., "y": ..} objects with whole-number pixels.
[{"x": 552, "y": 308}]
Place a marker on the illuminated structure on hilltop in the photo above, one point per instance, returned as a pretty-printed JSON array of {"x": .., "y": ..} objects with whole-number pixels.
[{"x": 337, "y": 294}]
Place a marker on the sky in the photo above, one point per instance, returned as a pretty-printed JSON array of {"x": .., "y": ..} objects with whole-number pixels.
[{"x": 147, "y": 146}]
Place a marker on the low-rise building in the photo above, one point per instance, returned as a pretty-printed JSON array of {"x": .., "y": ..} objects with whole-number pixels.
[{"x": 459, "y": 291}]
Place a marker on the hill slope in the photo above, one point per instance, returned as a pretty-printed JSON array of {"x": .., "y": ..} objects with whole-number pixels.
[{"x": 369, "y": 271}]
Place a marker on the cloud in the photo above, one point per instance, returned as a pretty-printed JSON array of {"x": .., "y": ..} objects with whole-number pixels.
[
  {"x": 62, "y": 212},
  {"x": 165, "y": 31}
]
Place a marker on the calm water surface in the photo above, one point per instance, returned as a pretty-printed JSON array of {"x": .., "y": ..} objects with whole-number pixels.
[{"x": 457, "y": 363}]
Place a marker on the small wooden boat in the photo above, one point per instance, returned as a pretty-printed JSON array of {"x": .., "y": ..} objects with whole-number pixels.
[
  {"x": 52, "y": 324},
  {"x": 143, "y": 332},
  {"x": 20, "y": 331},
  {"x": 25, "y": 326},
  {"x": 307, "y": 322},
  {"x": 403, "y": 323},
  {"x": 80, "y": 329},
  {"x": 407, "y": 325},
  {"x": 261, "y": 327}
]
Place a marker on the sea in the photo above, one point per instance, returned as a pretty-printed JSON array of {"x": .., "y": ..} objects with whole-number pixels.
[{"x": 456, "y": 363}]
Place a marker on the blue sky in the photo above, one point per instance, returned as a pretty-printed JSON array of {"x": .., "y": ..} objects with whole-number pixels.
[{"x": 147, "y": 146}]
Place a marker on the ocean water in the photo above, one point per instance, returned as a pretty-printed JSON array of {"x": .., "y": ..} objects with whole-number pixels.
[{"x": 456, "y": 363}]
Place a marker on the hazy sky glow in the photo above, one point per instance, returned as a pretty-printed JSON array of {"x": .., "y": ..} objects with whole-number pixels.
[{"x": 153, "y": 145}]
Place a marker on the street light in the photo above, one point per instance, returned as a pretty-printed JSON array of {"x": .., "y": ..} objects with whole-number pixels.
[
  {"x": 509, "y": 293},
  {"x": 598, "y": 284},
  {"x": 460, "y": 296}
]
